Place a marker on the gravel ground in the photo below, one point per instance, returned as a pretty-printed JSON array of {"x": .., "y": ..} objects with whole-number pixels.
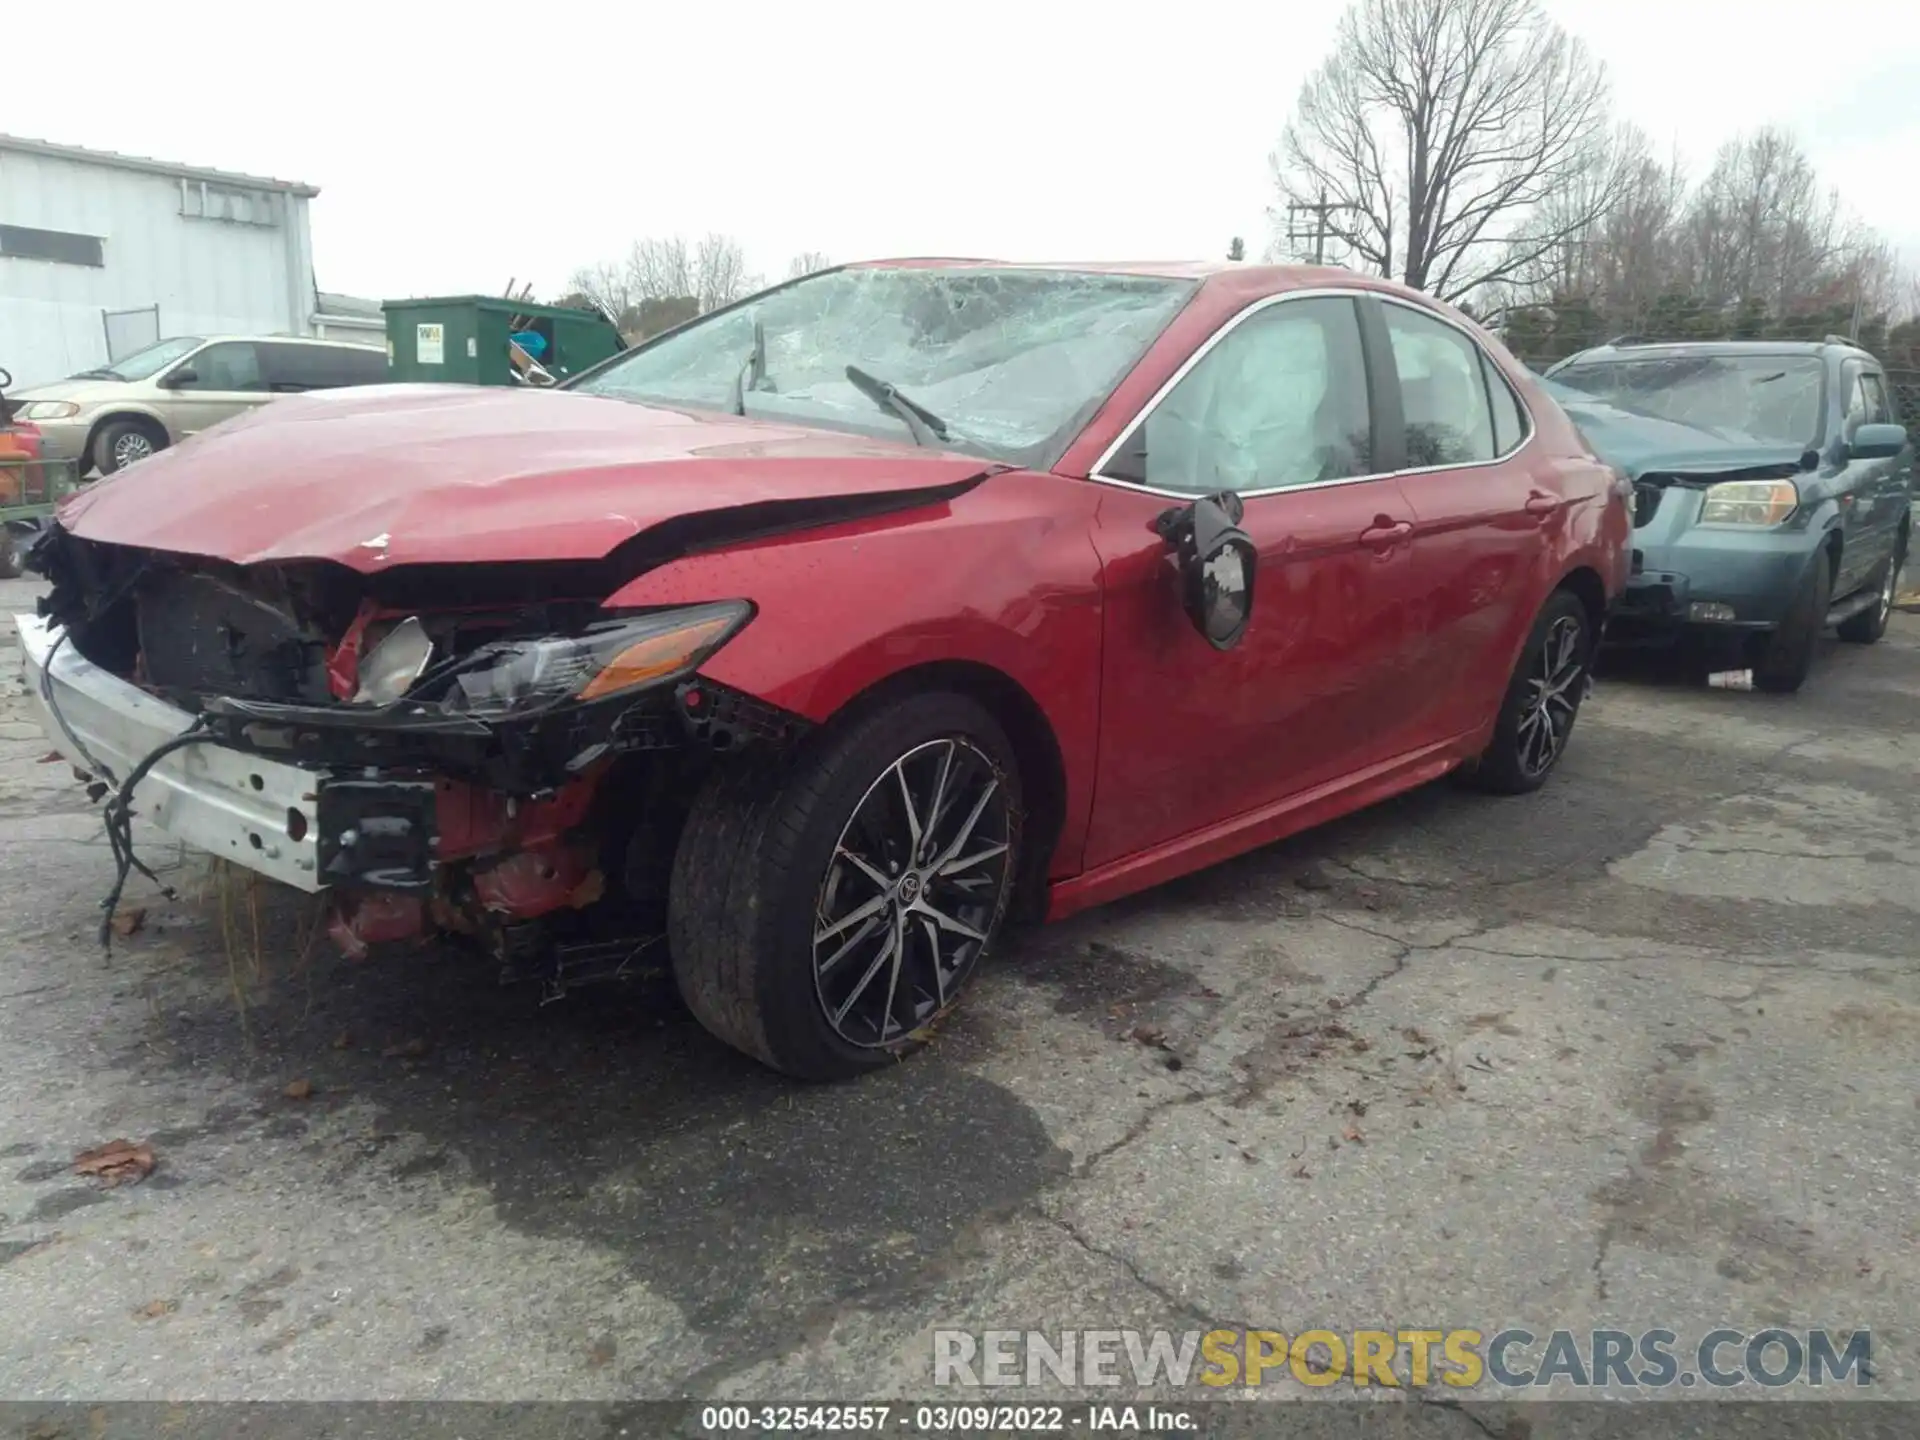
[{"x": 1640, "y": 1050}]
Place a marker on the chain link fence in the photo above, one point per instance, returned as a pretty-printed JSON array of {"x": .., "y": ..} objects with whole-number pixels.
[{"x": 130, "y": 330}]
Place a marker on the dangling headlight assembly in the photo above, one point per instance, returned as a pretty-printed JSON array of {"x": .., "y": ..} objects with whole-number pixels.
[{"x": 516, "y": 677}]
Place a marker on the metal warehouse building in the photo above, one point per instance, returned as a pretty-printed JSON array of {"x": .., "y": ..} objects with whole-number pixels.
[{"x": 101, "y": 254}]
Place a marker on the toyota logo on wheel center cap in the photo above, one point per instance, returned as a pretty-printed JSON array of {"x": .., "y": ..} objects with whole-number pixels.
[{"x": 909, "y": 886}]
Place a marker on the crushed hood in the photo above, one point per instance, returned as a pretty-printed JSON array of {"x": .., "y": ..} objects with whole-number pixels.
[
  {"x": 1637, "y": 443},
  {"x": 427, "y": 474}
]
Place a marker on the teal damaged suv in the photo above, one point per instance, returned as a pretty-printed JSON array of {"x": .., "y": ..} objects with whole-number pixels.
[{"x": 1772, "y": 491}]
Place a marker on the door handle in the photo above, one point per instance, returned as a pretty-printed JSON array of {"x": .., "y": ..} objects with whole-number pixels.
[
  {"x": 1541, "y": 503},
  {"x": 1385, "y": 532}
]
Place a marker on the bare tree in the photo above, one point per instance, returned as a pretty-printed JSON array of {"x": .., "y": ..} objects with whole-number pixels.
[
  {"x": 719, "y": 271},
  {"x": 660, "y": 269},
  {"x": 808, "y": 262},
  {"x": 605, "y": 283},
  {"x": 1427, "y": 141}
]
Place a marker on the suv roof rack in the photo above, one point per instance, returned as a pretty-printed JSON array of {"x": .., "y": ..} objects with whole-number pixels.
[{"x": 1839, "y": 340}]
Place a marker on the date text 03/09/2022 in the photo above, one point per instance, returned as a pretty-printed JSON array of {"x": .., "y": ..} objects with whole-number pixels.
[{"x": 964, "y": 1419}]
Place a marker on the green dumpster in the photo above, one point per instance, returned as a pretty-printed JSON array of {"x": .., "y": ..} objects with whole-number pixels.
[{"x": 466, "y": 340}]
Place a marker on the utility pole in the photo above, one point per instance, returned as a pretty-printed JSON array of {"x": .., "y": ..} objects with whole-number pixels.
[{"x": 1317, "y": 232}]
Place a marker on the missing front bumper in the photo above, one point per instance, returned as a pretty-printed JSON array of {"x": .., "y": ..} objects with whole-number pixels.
[{"x": 256, "y": 812}]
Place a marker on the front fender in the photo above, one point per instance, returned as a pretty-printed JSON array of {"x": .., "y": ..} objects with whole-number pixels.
[{"x": 1004, "y": 576}]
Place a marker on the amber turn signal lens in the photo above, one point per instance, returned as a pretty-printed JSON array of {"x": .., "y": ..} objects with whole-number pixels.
[{"x": 655, "y": 656}]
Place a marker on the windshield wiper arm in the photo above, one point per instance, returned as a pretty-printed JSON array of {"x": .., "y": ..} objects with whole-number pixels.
[
  {"x": 925, "y": 426},
  {"x": 753, "y": 374}
]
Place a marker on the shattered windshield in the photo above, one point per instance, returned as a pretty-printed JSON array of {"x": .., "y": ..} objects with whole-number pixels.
[
  {"x": 1772, "y": 398},
  {"x": 1002, "y": 363}
]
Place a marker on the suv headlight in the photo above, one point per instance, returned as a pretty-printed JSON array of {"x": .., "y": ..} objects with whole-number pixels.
[
  {"x": 512, "y": 677},
  {"x": 48, "y": 410},
  {"x": 1749, "y": 502}
]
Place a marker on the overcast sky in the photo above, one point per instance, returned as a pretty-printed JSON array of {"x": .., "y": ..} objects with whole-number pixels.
[{"x": 456, "y": 147}]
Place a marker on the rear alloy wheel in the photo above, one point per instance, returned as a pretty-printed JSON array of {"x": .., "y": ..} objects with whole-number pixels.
[
  {"x": 826, "y": 913},
  {"x": 1783, "y": 658},
  {"x": 1542, "y": 701},
  {"x": 1871, "y": 623}
]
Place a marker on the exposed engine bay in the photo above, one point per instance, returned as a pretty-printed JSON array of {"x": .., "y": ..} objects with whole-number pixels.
[{"x": 496, "y": 754}]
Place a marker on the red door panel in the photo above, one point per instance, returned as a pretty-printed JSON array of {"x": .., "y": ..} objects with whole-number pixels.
[
  {"x": 1191, "y": 735},
  {"x": 1479, "y": 543}
]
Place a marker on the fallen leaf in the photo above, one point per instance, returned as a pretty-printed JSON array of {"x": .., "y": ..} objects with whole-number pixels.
[
  {"x": 300, "y": 1090},
  {"x": 406, "y": 1050},
  {"x": 52, "y": 757},
  {"x": 117, "y": 1162},
  {"x": 1358, "y": 1107},
  {"x": 342, "y": 1041},
  {"x": 1300, "y": 1172},
  {"x": 601, "y": 1353},
  {"x": 1148, "y": 1035},
  {"x": 125, "y": 922},
  {"x": 154, "y": 1309},
  {"x": 1352, "y": 1133}
]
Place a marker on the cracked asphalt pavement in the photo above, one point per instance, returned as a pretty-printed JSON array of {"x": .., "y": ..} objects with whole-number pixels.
[{"x": 1640, "y": 1050}]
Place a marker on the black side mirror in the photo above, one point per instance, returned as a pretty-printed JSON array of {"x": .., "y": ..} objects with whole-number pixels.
[
  {"x": 185, "y": 375},
  {"x": 1217, "y": 565}
]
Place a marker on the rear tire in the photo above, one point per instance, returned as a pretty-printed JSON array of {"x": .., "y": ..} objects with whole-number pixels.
[
  {"x": 1783, "y": 659},
  {"x": 800, "y": 890},
  {"x": 1870, "y": 624},
  {"x": 1542, "y": 701}
]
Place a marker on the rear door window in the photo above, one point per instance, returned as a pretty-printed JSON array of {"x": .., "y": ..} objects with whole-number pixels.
[
  {"x": 1509, "y": 423},
  {"x": 294, "y": 368}
]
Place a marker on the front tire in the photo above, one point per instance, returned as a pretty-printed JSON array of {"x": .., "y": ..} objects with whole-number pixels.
[
  {"x": 1542, "y": 700},
  {"x": 1783, "y": 659},
  {"x": 121, "y": 443},
  {"x": 824, "y": 913}
]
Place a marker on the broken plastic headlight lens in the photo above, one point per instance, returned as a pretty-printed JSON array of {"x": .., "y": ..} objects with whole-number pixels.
[
  {"x": 1749, "y": 502},
  {"x": 514, "y": 676}
]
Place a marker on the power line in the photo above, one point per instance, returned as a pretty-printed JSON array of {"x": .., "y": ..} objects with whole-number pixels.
[{"x": 1319, "y": 210}]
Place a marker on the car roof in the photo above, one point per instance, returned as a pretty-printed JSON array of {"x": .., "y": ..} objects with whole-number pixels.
[
  {"x": 1654, "y": 349},
  {"x": 288, "y": 340},
  {"x": 1228, "y": 278}
]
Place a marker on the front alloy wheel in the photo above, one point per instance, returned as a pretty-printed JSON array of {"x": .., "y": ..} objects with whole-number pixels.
[
  {"x": 917, "y": 878},
  {"x": 826, "y": 910},
  {"x": 130, "y": 447}
]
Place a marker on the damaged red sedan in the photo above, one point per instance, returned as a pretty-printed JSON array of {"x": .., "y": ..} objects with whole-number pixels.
[{"x": 824, "y": 635}]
